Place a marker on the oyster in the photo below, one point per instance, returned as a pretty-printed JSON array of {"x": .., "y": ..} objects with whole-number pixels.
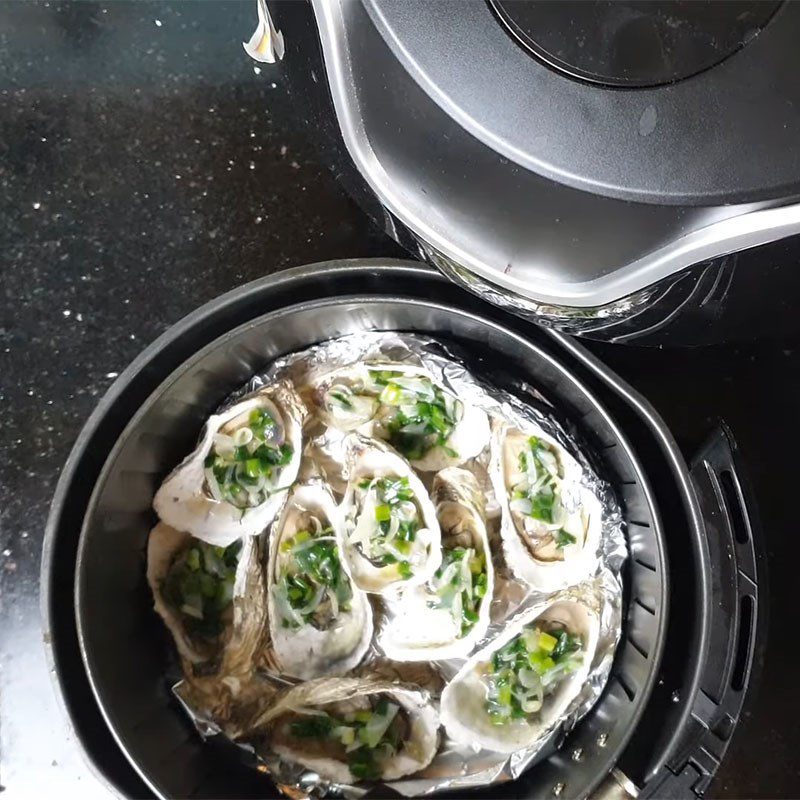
[
  {"x": 390, "y": 536},
  {"x": 512, "y": 693},
  {"x": 403, "y": 405},
  {"x": 446, "y": 617},
  {"x": 235, "y": 481},
  {"x": 319, "y": 622},
  {"x": 199, "y": 591},
  {"x": 550, "y": 523},
  {"x": 349, "y": 730}
]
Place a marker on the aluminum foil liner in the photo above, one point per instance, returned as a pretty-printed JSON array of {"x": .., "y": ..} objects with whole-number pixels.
[{"x": 455, "y": 766}]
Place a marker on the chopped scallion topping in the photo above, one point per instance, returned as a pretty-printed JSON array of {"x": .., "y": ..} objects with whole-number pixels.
[
  {"x": 244, "y": 468},
  {"x": 314, "y": 588},
  {"x": 367, "y": 739},
  {"x": 199, "y": 584},
  {"x": 529, "y": 668},
  {"x": 394, "y": 527}
]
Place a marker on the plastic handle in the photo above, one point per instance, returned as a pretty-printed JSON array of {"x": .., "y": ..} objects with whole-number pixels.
[{"x": 735, "y": 620}]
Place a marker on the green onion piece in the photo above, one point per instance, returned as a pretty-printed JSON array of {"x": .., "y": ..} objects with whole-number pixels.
[
  {"x": 470, "y": 615},
  {"x": 362, "y": 765},
  {"x": 391, "y": 395},
  {"x": 562, "y": 538},
  {"x": 340, "y": 398},
  {"x": 314, "y": 727},
  {"x": 540, "y": 662},
  {"x": 193, "y": 559},
  {"x": 546, "y": 642}
]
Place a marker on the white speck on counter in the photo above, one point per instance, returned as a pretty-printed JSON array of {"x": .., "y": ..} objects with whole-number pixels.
[
  {"x": 252, "y": 165},
  {"x": 79, "y": 317},
  {"x": 112, "y": 374},
  {"x": 257, "y": 70},
  {"x": 258, "y": 220},
  {"x": 284, "y": 148},
  {"x": 177, "y": 177},
  {"x": 294, "y": 165},
  {"x": 6, "y": 552},
  {"x": 273, "y": 85},
  {"x": 66, "y": 312},
  {"x": 37, "y": 206},
  {"x": 158, "y": 23}
]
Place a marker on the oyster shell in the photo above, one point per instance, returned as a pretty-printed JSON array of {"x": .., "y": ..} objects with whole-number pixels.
[
  {"x": 446, "y": 617},
  {"x": 235, "y": 481},
  {"x": 550, "y": 523},
  {"x": 212, "y": 600},
  {"x": 319, "y": 622},
  {"x": 511, "y": 694},
  {"x": 390, "y": 535},
  {"x": 315, "y": 725},
  {"x": 402, "y": 405}
]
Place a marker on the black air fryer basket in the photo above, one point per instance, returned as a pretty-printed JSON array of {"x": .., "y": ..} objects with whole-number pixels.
[{"x": 684, "y": 662}]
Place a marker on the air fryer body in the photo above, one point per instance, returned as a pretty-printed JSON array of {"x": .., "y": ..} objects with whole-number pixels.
[{"x": 647, "y": 213}]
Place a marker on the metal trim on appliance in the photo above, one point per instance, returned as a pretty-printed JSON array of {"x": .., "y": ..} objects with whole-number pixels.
[{"x": 748, "y": 230}]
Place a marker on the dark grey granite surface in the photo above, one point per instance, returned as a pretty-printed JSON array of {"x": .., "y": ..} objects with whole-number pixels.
[{"x": 146, "y": 166}]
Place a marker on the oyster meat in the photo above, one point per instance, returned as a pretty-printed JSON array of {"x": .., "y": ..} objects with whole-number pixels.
[
  {"x": 235, "y": 481},
  {"x": 509, "y": 695},
  {"x": 390, "y": 535},
  {"x": 319, "y": 622},
  {"x": 447, "y": 616},
  {"x": 211, "y": 599},
  {"x": 550, "y": 523},
  {"x": 350, "y": 730},
  {"x": 404, "y": 406}
]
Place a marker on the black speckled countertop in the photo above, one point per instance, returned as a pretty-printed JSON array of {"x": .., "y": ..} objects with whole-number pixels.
[{"x": 146, "y": 166}]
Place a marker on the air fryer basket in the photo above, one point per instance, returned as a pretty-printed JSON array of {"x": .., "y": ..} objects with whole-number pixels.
[
  {"x": 113, "y": 601},
  {"x": 124, "y": 645}
]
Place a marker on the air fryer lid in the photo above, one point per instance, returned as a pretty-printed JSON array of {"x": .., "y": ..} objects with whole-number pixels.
[
  {"x": 718, "y": 136},
  {"x": 467, "y": 121}
]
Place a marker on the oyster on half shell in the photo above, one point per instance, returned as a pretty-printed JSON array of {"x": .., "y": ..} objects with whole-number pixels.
[
  {"x": 550, "y": 523},
  {"x": 390, "y": 535},
  {"x": 403, "y": 405},
  {"x": 512, "y": 693},
  {"x": 349, "y": 730},
  {"x": 235, "y": 481},
  {"x": 446, "y": 617},
  {"x": 212, "y": 600},
  {"x": 320, "y": 623}
]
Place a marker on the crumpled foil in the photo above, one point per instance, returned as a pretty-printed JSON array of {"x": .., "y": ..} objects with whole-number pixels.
[{"x": 455, "y": 766}]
